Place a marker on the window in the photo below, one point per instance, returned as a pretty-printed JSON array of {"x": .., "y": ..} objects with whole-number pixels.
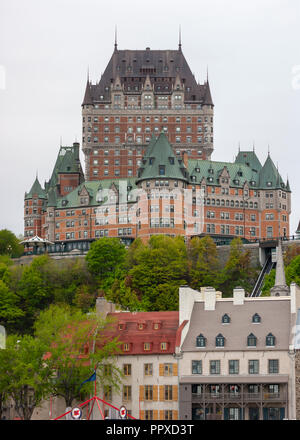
[
  {"x": 168, "y": 414},
  {"x": 107, "y": 393},
  {"x": 273, "y": 366},
  {"x": 148, "y": 392},
  {"x": 125, "y": 347},
  {"x": 148, "y": 369},
  {"x": 256, "y": 318},
  {"x": 200, "y": 341},
  {"x": 270, "y": 340},
  {"x": 214, "y": 367},
  {"x": 233, "y": 366},
  {"x": 148, "y": 414},
  {"x": 196, "y": 367},
  {"x": 168, "y": 369},
  {"x": 251, "y": 340},
  {"x": 168, "y": 392},
  {"x": 163, "y": 346},
  {"x": 253, "y": 366},
  {"x": 225, "y": 319},
  {"x": 127, "y": 369},
  {"x": 127, "y": 393},
  {"x": 162, "y": 170},
  {"x": 220, "y": 340}
]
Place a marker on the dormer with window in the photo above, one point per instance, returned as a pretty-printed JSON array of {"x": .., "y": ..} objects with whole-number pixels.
[
  {"x": 256, "y": 319},
  {"x": 251, "y": 340},
  {"x": 200, "y": 341},
  {"x": 156, "y": 325},
  {"x": 141, "y": 325},
  {"x": 225, "y": 319},
  {"x": 270, "y": 340},
  {"x": 220, "y": 340},
  {"x": 122, "y": 325}
]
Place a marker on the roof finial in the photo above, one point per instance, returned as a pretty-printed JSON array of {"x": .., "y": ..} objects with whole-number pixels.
[
  {"x": 239, "y": 146},
  {"x": 88, "y": 74},
  {"x": 60, "y": 141},
  {"x": 253, "y": 145},
  {"x": 116, "y": 43},
  {"x": 179, "y": 42},
  {"x": 207, "y": 73}
]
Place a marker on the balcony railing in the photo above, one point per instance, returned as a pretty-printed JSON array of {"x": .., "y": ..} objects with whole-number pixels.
[{"x": 238, "y": 397}]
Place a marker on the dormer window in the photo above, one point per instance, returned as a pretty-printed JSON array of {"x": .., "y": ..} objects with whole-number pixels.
[
  {"x": 256, "y": 318},
  {"x": 200, "y": 341},
  {"x": 163, "y": 346},
  {"x": 225, "y": 319},
  {"x": 269, "y": 183},
  {"x": 156, "y": 325},
  {"x": 162, "y": 170},
  {"x": 122, "y": 326},
  {"x": 171, "y": 160},
  {"x": 147, "y": 346},
  {"x": 220, "y": 340},
  {"x": 251, "y": 340},
  {"x": 270, "y": 340}
]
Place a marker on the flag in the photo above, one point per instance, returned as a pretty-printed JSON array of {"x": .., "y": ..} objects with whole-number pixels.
[{"x": 90, "y": 379}]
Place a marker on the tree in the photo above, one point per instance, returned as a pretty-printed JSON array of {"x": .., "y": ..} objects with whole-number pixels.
[
  {"x": 76, "y": 343},
  {"x": 203, "y": 262},
  {"x": 105, "y": 256},
  {"x": 161, "y": 265},
  {"x": 10, "y": 313},
  {"x": 9, "y": 244},
  {"x": 27, "y": 377},
  {"x": 238, "y": 270}
]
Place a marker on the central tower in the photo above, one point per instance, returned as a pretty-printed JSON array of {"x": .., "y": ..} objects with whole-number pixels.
[{"x": 144, "y": 92}]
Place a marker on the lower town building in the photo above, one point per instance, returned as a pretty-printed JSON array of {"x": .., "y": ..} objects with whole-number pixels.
[{"x": 237, "y": 356}]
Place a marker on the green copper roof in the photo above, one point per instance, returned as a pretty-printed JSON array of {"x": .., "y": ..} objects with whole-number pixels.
[
  {"x": 250, "y": 159},
  {"x": 210, "y": 171},
  {"x": 67, "y": 162},
  {"x": 52, "y": 197},
  {"x": 161, "y": 162},
  {"x": 72, "y": 200},
  {"x": 36, "y": 189},
  {"x": 269, "y": 176}
]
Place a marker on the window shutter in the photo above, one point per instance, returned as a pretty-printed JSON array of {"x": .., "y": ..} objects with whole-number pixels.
[
  {"x": 175, "y": 370},
  {"x": 155, "y": 393},
  {"x": 175, "y": 415},
  {"x": 161, "y": 415},
  {"x": 142, "y": 412},
  {"x": 161, "y": 393},
  {"x": 155, "y": 414},
  {"x": 175, "y": 392},
  {"x": 161, "y": 369},
  {"x": 142, "y": 392}
]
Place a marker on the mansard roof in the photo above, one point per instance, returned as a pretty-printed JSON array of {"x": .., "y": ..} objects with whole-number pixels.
[
  {"x": 160, "y": 155},
  {"x": 161, "y": 66},
  {"x": 36, "y": 189}
]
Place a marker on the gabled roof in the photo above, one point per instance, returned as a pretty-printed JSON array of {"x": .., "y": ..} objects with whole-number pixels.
[
  {"x": 67, "y": 162},
  {"x": 250, "y": 159},
  {"x": 160, "y": 155},
  {"x": 36, "y": 189}
]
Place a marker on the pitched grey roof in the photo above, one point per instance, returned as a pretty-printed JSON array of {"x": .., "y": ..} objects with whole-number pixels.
[{"x": 275, "y": 319}]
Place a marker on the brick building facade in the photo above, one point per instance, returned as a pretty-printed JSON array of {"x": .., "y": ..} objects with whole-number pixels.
[{"x": 147, "y": 141}]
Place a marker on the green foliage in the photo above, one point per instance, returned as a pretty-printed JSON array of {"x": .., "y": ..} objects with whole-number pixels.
[
  {"x": 9, "y": 244},
  {"x": 238, "y": 270},
  {"x": 105, "y": 256},
  {"x": 26, "y": 375},
  {"x": 75, "y": 345},
  {"x": 292, "y": 275},
  {"x": 203, "y": 262}
]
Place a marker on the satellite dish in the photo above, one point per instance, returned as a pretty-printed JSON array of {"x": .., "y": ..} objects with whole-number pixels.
[{"x": 2, "y": 337}]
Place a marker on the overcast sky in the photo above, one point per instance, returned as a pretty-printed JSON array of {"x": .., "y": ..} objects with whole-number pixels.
[{"x": 251, "y": 48}]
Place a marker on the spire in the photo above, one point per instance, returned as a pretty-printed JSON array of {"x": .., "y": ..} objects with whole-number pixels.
[
  {"x": 87, "y": 96},
  {"x": 179, "y": 40},
  {"x": 207, "y": 99},
  {"x": 116, "y": 42},
  {"x": 280, "y": 288}
]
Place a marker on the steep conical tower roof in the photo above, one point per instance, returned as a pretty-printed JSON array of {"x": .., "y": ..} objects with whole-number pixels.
[
  {"x": 207, "y": 100},
  {"x": 36, "y": 189},
  {"x": 269, "y": 176},
  {"x": 161, "y": 162},
  {"x": 87, "y": 96}
]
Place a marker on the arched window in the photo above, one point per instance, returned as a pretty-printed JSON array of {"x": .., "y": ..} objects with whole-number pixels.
[
  {"x": 200, "y": 341},
  {"x": 270, "y": 340},
  {"x": 220, "y": 340},
  {"x": 256, "y": 318},
  {"x": 251, "y": 340},
  {"x": 225, "y": 319}
]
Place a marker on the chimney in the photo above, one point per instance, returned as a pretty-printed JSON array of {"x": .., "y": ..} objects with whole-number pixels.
[
  {"x": 103, "y": 307},
  {"x": 209, "y": 298},
  {"x": 238, "y": 296},
  {"x": 76, "y": 150},
  {"x": 185, "y": 159}
]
